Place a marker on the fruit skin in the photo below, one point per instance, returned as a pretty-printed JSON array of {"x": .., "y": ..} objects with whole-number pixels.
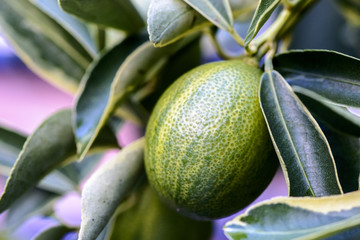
[
  {"x": 208, "y": 153},
  {"x": 150, "y": 219}
]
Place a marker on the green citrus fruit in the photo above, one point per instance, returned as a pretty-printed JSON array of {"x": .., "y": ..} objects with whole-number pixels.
[
  {"x": 150, "y": 219},
  {"x": 208, "y": 153}
]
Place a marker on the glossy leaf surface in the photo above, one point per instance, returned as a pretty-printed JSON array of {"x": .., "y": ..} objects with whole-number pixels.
[
  {"x": 302, "y": 148},
  {"x": 169, "y": 20},
  {"x": 216, "y": 11},
  {"x": 51, "y": 145},
  {"x": 95, "y": 95},
  {"x": 108, "y": 13},
  {"x": 108, "y": 187},
  {"x": 332, "y": 75},
  {"x": 45, "y": 46},
  {"x": 334, "y": 217},
  {"x": 336, "y": 117},
  {"x": 262, "y": 14}
]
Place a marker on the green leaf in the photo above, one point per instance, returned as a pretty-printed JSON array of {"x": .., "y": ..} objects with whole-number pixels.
[
  {"x": 262, "y": 14},
  {"x": 346, "y": 151},
  {"x": 299, "y": 218},
  {"x": 94, "y": 97},
  {"x": 332, "y": 75},
  {"x": 170, "y": 20},
  {"x": 50, "y": 146},
  {"x": 302, "y": 148},
  {"x": 334, "y": 116},
  {"x": 11, "y": 143},
  {"x": 141, "y": 65},
  {"x": 35, "y": 202},
  {"x": 77, "y": 28},
  {"x": 145, "y": 217},
  {"x": 216, "y": 11},
  {"x": 108, "y": 187},
  {"x": 108, "y": 13},
  {"x": 61, "y": 59},
  {"x": 53, "y": 233}
]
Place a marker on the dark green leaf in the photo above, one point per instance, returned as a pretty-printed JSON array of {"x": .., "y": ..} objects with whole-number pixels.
[
  {"x": 108, "y": 13},
  {"x": 145, "y": 217},
  {"x": 108, "y": 187},
  {"x": 53, "y": 233},
  {"x": 35, "y": 202},
  {"x": 346, "y": 151},
  {"x": 61, "y": 59},
  {"x": 332, "y": 75},
  {"x": 77, "y": 29},
  {"x": 334, "y": 116},
  {"x": 262, "y": 14},
  {"x": 94, "y": 97},
  {"x": 50, "y": 146},
  {"x": 302, "y": 148},
  {"x": 169, "y": 20},
  {"x": 11, "y": 143},
  {"x": 216, "y": 11},
  {"x": 334, "y": 217},
  {"x": 140, "y": 66}
]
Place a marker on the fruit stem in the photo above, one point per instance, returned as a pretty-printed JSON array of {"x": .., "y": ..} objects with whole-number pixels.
[
  {"x": 237, "y": 37},
  {"x": 280, "y": 27},
  {"x": 269, "y": 57},
  {"x": 271, "y": 33}
]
